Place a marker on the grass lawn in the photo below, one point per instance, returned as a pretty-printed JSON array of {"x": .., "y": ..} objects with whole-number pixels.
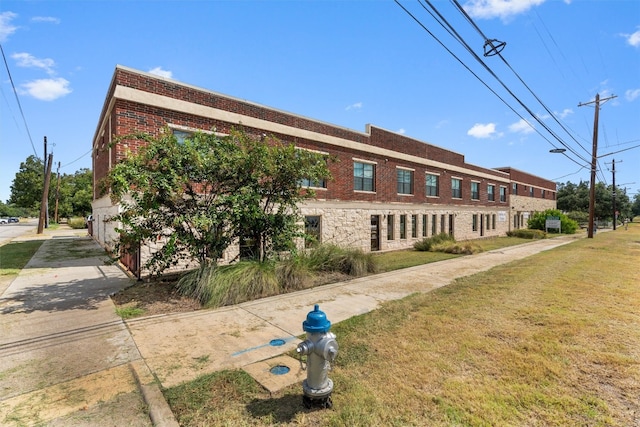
[{"x": 551, "y": 340}]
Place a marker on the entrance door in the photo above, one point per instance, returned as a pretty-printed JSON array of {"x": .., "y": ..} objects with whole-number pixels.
[{"x": 375, "y": 232}]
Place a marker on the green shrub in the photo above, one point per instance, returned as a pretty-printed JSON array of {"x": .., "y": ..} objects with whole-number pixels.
[
  {"x": 77, "y": 222},
  {"x": 217, "y": 286},
  {"x": 293, "y": 273},
  {"x": 526, "y": 233},
  {"x": 429, "y": 243},
  {"x": 328, "y": 257},
  {"x": 464, "y": 248},
  {"x": 538, "y": 221}
]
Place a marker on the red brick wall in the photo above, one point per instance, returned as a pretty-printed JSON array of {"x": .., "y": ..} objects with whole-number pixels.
[{"x": 128, "y": 117}]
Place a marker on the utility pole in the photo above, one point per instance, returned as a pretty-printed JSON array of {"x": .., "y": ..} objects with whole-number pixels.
[
  {"x": 45, "y": 194},
  {"x": 44, "y": 178},
  {"x": 613, "y": 198},
  {"x": 594, "y": 158},
  {"x": 55, "y": 215}
]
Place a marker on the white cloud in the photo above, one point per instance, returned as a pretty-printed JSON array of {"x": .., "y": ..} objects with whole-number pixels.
[
  {"x": 401, "y": 131},
  {"x": 356, "y": 106},
  {"x": 158, "y": 71},
  {"x": 29, "y": 61},
  {"x": 633, "y": 39},
  {"x": 49, "y": 19},
  {"x": 47, "y": 89},
  {"x": 503, "y": 9},
  {"x": 565, "y": 113},
  {"x": 521, "y": 126},
  {"x": 632, "y": 94},
  {"x": 6, "y": 29},
  {"x": 483, "y": 131}
]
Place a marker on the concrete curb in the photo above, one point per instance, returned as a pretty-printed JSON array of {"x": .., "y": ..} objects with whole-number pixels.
[{"x": 159, "y": 410}]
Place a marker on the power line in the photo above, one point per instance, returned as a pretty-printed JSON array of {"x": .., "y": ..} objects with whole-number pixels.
[
  {"x": 18, "y": 101},
  {"x": 449, "y": 28}
]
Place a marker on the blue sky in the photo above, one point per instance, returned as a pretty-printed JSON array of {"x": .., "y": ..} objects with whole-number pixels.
[{"x": 348, "y": 63}]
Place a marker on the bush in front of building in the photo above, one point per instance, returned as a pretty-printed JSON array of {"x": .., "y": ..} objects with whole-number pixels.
[
  {"x": 525, "y": 233},
  {"x": 217, "y": 286},
  {"x": 77, "y": 222},
  {"x": 429, "y": 243},
  {"x": 538, "y": 221},
  {"x": 463, "y": 248}
]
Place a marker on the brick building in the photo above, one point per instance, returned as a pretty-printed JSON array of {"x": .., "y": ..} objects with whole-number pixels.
[{"x": 388, "y": 191}]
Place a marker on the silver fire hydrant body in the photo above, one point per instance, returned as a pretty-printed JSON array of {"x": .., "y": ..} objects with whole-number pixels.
[{"x": 321, "y": 349}]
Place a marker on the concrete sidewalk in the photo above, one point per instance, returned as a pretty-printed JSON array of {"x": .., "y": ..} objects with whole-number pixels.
[{"x": 67, "y": 359}]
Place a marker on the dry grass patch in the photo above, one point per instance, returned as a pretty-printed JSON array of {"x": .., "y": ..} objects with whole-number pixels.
[{"x": 551, "y": 340}]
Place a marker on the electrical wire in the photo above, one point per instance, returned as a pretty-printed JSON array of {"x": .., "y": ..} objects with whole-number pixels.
[
  {"x": 469, "y": 19},
  {"x": 18, "y": 101},
  {"x": 472, "y": 72}
]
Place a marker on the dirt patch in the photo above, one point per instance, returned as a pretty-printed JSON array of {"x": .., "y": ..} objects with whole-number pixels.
[{"x": 155, "y": 297}]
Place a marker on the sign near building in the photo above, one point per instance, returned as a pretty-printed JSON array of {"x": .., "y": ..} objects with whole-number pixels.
[{"x": 553, "y": 222}]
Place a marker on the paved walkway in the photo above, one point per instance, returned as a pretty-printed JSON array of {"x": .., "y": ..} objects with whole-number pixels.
[{"x": 67, "y": 359}]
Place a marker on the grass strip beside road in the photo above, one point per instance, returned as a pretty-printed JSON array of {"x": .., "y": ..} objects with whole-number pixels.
[
  {"x": 550, "y": 340},
  {"x": 15, "y": 255}
]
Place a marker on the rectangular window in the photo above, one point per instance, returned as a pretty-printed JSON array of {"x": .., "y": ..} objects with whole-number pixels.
[
  {"x": 405, "y": 181},
  {"x": 181, "y": 135},
  {"x": 474, "y": 222},
  {"x": 414, "y": 226},
  {"x": 390, "y": 225},
  {"x": 312, "y": 231},
  {"x": 514, "y": 188},
  {"x": 475, "y": 191},
  {"x": 493, "y": 221},
  {"x": 503, "y": 194},
  {"x": 487, "y": 223},
  {"x": 403, "y": 226},
  {"x": 442, "y": 223},
  {"x": 313, "y": 184},
  {"x": 424, "y": 225},
  {"x": 364, "y": 176},
  {"x": 456, "y": 188},
  {"x": 434, "y": 224},
  {"x": 491, "y": 193},
  {"x": 542, "y": 194},
  {"x": 530, "y": 191},
  {"x": 432, "y": 185}
]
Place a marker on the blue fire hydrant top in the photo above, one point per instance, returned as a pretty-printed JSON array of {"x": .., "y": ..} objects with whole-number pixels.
[{"x": 316, "y": 321}]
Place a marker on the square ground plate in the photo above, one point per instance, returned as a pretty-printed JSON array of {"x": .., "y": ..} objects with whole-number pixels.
[{"x": 276, "y": 373}]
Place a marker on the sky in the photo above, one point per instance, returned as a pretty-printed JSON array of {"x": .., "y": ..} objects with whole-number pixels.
[{"x": 416, "y": 68}]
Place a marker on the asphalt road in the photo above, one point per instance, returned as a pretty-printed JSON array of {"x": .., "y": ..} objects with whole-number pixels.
[{"x": 15, "y": 229}]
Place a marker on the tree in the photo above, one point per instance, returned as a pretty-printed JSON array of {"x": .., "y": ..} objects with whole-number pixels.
[
  {"x": 26, "y": 190},
  {"x": 201, "y": 195},
  {"x": 635, "y": 208}
]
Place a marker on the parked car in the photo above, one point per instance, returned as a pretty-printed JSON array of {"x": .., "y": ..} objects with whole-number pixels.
[
  {"x": 4, "y": 220},
  {"x": 14, "y": 219}
]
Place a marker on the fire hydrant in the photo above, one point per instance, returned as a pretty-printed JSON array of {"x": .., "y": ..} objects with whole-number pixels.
[{"x": 321, "y": 349}]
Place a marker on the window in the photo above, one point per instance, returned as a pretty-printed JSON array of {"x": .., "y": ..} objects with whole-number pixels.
[
  {"x": 493, "y": 221},
  {"x": 487, "y": 224},
  {"x": 315, "y": 184},
  {"x": 530, "y": 191},
  {"x": 474, "y": 222},
  {"x": 414, "y": 226},
  {"x": 503, "y": 194},
  {"x": 424, "y": 225},
  {"x": 312, "y": 231},
  {"x": 405, "y": 181},
  {"x": 475, "y": 191},
  {"x": 542, "y": 194},
  {"x": 364, "y": 176},
  {"x": 491, "y": 193},
  {"x": 180, "y": 135},
  {"x": 442, "y": 223},
  {"x": 403, "y": 226},
  {"x": 434, "y": 224},
  {"x": 456, "y": 188},
  {"x": 514, "y": 188},
  {"x": 432, "y": 185},
  {"x": 390, "y": 225}
]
